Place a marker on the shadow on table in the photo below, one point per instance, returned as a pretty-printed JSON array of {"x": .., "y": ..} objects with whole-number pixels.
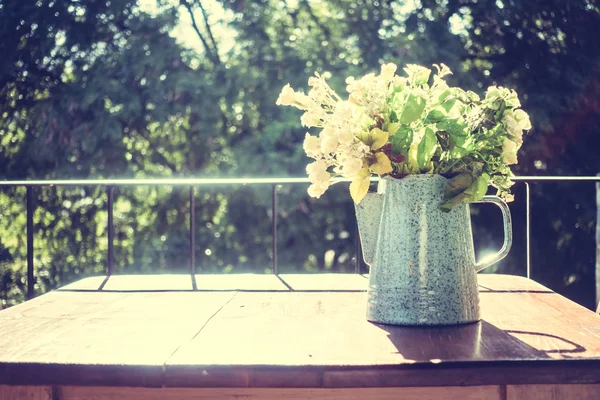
[{"x": 478, "y": 341}]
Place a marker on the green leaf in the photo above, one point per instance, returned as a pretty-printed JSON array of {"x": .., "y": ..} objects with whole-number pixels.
[
  {"x": 393, "y": 128},
  {"x": 464, "y": 188},
  {"x": 479, "y": 188},
  {"x": 401, "y": 140},
  {"x": 426, "y": 148},
  {"x": 441, "y": 94},
  {"x": 460, "y": 145},
  {"x": 436, "y": 115},
  {"x": 453, "y": 126},
  {"x": 458, "y": 184},
  {"x": 448, "y": 104},
  {"x": 417, "y": 74},
  {"x": 413, "y": 108}
]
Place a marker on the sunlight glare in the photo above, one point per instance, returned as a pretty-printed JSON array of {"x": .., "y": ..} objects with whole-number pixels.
[{"x": 184, "y": 32}]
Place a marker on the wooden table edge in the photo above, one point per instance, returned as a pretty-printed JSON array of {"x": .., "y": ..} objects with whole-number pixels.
[
  {"x": 27, "y": 374},
  {"x": 475, "y": 373}
]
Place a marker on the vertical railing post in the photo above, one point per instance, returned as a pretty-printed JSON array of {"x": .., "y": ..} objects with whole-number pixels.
[
  {"x": 110, "y": 192},
  {"x": 528, "y": 229},
  {"x": 30, "y": 266},
  {"x": 357, "y": 255},
  {"x": 274, "y": 227},
  {"x": 597, "y": 272},
  {"x": 193, "y": 238}
]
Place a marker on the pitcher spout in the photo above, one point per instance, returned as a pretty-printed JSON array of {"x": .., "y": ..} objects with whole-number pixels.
[{"x": 368, "y": 215}]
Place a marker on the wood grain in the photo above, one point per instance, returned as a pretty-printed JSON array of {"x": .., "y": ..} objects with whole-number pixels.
[
  {"x": 96, "y": 337},
  {"x": 25, "y": 393},
  {"x": 520, "y": 324},
  {"x": 247, "y": 332},
  {"x": 553, "y": 392},
  {"x": 326, "y": 282},
  {"x": 465, "y": 374},
  {"x": 180, "y": 282},
  {"x": 463, "y": 393}
]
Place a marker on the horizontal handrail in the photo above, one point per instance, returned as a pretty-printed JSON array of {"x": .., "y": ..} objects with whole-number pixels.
[
  {"x": 111, "y": 184},
  {"x": 239, "y": 181}
]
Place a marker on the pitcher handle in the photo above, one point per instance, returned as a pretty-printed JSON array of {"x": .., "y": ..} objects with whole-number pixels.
[{"x": 507, "y": 222}]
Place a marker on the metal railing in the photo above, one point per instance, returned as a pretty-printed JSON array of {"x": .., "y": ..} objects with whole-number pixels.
[{"x": 192, "y": 183}]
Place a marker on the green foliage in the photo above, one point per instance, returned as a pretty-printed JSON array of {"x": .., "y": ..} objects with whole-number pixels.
[{"x": 101, "y": 89}]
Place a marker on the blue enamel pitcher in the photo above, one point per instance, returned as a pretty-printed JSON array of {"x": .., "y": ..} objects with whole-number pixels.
[{"x": 422, "y": 262}]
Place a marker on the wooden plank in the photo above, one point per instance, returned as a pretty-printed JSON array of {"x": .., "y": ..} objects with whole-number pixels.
[
  {"x": 25, "y": 392},
  {"x": 553, "y": 392},
  {"x": 181, "y": 282},
  {"x": 329, "y": 330},
  {"x": 149, "y": 282},
  {"x": 528, "y": 335},
  {"x": 257, "y": 282},
  {"x": 326, "y": 282},
  {"x": 91, "y": 283},
  {"x": 267, "y": 282},
  {"x": 449, "y": 393},
  {"x": 547, "y": 322},
  {"x": 465, "y": 374},
  {"x": 80, "y": 337},
  {"x": 508, "y": 283}
]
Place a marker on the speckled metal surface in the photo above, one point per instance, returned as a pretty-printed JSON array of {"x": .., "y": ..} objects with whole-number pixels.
[{"x": 423, "y": 268}]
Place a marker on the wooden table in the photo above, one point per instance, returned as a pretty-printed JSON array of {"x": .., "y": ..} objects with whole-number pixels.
[{"x": 296, "y": 336}]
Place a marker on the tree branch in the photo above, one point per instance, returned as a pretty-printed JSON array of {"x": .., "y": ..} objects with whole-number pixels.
[
  {"x": 212, "y": 38},
  {"x": 207, "y": 48},
  {"x": 316, "y": 20}
]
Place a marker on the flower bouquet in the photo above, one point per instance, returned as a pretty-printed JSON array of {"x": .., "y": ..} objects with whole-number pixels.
[{"x": 394, "y": 126}]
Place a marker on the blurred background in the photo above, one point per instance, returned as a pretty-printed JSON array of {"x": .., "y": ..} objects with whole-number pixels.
[{"x": 187, "y": 88}]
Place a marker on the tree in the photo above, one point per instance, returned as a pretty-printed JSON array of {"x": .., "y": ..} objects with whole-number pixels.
[{"x": 106, "y": 89}]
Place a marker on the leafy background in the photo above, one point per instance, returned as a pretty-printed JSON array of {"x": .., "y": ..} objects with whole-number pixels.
[{"x": 119, "y": 88}]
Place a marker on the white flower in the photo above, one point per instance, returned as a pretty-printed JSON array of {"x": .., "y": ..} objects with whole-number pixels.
[
  {"x": 351, "y": 167},
  {"x": 492, "y": 93},
  {"x": 522, "y": 119},
  {"x": 309, "y": 119},
  {"x": 344, "y": 110},
  {"x": 327, "y": 132},
  {"x": 512, "y": 128},
  {"x": 399, "y": 82},
  {"x": 286, "y": 97},
  {"x": 311, "y": 145},
  {"x": 510, "y": 123},
  {"x": 329, "y": 144},
  {"x": 314, "y": 81},
  {"x": 319, "y": 177},
  {"x": 509, "y": 149},
  {"x": 346, "y": 137},
  {"x": 317, "y": 171},
  {"x": 353, "y": 86},
  {"x": 317, "y": 189},
  {"x": 443, "y": 70},
  {"x": 512, "y": 99},
  {"x": 388, "y": 71}
]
